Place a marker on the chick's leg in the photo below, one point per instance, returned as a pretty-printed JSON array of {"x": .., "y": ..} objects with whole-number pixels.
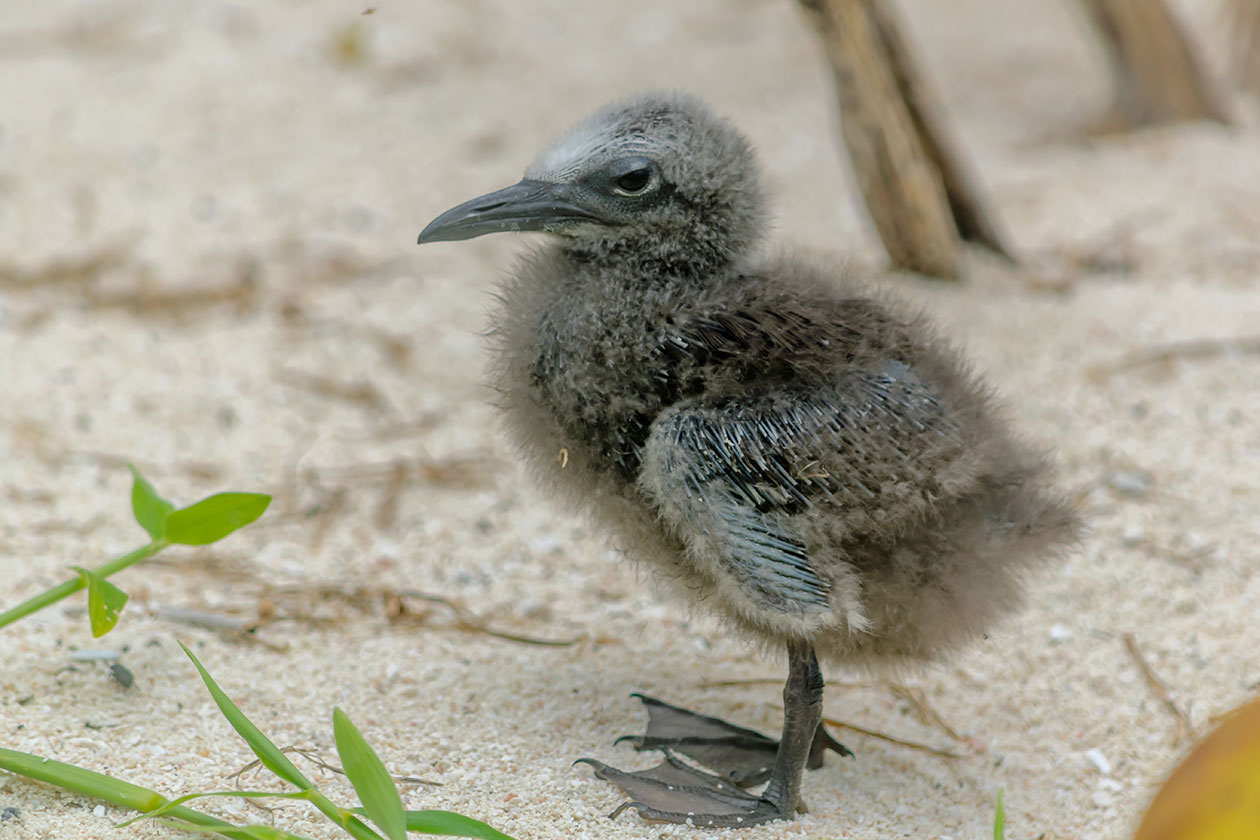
[
  {"x": 802, "y": 716},
  {"x": 677, "y": 792}
]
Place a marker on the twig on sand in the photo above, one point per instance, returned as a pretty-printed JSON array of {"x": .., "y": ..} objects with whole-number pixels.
[
  {"x": 1160, "y": 688},
  {"x": 359, "y": 392},
  {"x": 928, "y": 714},
  {"x": 206, "y": 620},
  {"x": 314, "y": 757},
  {"x": 469, "y": 623},
  {"x": 465, "y": 471},
  {"x": 242, "y": 292},
  {"x": 1200, "y": 349},
  {"x": 236, "y": 628},
  {"x": 387, "y": 510},
  {"x": 901, "y": 742},
  {"x": 74, "y": 270}
]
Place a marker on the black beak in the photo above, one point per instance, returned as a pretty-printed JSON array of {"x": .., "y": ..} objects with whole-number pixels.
[{"x": 529, "y": 205}]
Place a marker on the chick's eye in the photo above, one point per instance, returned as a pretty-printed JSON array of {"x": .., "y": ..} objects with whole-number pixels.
[{"x": 634, "y": 181}]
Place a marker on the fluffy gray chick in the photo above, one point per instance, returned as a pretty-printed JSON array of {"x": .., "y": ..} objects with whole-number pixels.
[{"x": 796, "y": 453}]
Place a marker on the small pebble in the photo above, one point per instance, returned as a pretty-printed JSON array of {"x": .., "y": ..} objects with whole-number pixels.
[
  {"x": 1132, "y": 483},
  {"x": 1060, "y": 633},
  {"x": 122, "y": 675},
  {"x": 98, "y": 811},
  {"x": 1100, "y": 762},
  {"x": 1194, "y": 541},
  {"x": 95, "y": 655},
  {"x": 544, "y": 545}
]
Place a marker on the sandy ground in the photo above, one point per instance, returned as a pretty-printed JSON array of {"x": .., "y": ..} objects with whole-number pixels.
[{"x": 207, "y": 265}]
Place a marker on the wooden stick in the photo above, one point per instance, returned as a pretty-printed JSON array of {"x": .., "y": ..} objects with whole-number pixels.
[
  {"x": 967, "y": 203},
  {"x": 1157, "y": 76},
  {"x": 904, "y": 192},
  {"x": 1244, "y": 31}
]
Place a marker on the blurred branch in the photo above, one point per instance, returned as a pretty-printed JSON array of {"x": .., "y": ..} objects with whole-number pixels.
[{"x": 1156, "y": 73}]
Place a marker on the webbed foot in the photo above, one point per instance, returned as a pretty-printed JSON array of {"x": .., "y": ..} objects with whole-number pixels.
[
  {"x": 742, "y": 756},
  {"x": 676, "y": 792}
]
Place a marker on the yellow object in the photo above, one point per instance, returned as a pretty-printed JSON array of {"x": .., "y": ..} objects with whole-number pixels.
[{"x": 1215, "y": 793}]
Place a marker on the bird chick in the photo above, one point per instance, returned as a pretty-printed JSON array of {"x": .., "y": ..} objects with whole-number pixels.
[{"x": 795, "y": 452}]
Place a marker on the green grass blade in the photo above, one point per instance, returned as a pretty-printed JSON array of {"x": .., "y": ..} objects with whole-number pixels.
[
  {"x": 347, "y": 818},
  {"x": 356, "y": 827},
  {"x": 237, "y": 832},
  {"x": 450, "y": 824},
  {"x": 212, "y": 519},
  {"x": 164, "y": 810},
  {"x": 98, "y": 786},
  {"x": 268, "y": 753},
  {"x": 105, "y": 601},
  {"x": 999, "y": 819},
  {"x": 372, "y": 782},
  {"x": 149, "y": 508}
]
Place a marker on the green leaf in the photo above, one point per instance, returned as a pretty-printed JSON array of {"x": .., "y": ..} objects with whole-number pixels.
[
  {"x": 999, "y": 819},
  {"x": 149, "y": 508},
  {"x": 372, "y": 782},
  {"x": 105, "y": 601},
  {"x": 212, "y": 519},
  {"x": 268, "y": 753},
  {"x": 450, "y": 824}
]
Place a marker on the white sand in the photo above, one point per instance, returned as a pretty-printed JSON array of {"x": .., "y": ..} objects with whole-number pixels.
[{"x": 198, "y": 139}]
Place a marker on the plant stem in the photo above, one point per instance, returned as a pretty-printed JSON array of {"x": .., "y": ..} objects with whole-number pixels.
[
  {"x": 98, "y": 786},
  {"x": 73, "y": 585},
  {"x": 342, "y": 817}
]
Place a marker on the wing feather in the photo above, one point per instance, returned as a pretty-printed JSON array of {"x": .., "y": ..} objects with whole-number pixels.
[{"x": 745, "y": 466}]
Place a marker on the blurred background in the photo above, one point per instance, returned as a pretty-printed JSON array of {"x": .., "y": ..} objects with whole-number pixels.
[{"x": 208, "y": 213}]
